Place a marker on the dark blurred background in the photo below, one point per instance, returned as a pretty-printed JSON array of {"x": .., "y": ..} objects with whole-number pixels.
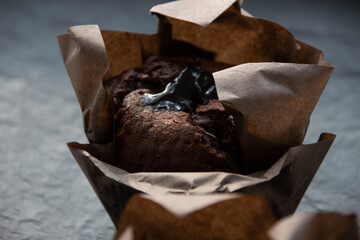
[{"x": 44, "y": 194}]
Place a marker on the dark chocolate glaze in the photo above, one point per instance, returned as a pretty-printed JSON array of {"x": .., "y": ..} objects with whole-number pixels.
[{"x": 192, "y": 88}]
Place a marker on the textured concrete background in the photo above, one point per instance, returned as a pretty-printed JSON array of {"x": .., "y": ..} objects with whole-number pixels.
[{"x": 44, "y": 194}]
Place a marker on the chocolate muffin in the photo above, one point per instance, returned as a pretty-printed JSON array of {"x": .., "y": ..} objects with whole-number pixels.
[
  {"x": 155, "y": 74},
  {"x": 168, "y": 118}
]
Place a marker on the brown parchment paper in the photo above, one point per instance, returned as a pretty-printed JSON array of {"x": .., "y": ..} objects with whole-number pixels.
[
  {"x": 314, "y": 226},
  {"x": 267, "y": 100},
  {"x": 86, "y": 78},
  {"x": 303, "y": 226},
  {"x": 261, "y": 94},
  {"x": 213, "y": 216},
  {"x": 283, "y": 184},
  {"x": 181, "y": 205}
]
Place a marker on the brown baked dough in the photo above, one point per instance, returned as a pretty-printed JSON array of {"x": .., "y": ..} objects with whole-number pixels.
[{"x": 148, "y": 140}]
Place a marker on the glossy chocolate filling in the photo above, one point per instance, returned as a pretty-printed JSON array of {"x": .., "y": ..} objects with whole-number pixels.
[{"x": 192, "y": 88}]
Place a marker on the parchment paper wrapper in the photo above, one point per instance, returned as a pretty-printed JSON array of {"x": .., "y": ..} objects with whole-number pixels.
[
  {"x": 304, "y": 226},
  {"x": 313, "y": 226},
  {"x": 213, "y": 216},
  {"x": 271, "y": 101}
]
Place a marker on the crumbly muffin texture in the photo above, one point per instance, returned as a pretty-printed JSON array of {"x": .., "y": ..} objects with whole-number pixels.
[{"x": 148, "y": 140}]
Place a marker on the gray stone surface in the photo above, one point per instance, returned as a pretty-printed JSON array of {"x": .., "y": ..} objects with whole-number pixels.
[{"x": 44, "y": 194}]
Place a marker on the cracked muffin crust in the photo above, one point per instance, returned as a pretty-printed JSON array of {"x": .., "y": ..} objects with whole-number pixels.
[{"x": 150, "y": 140}]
